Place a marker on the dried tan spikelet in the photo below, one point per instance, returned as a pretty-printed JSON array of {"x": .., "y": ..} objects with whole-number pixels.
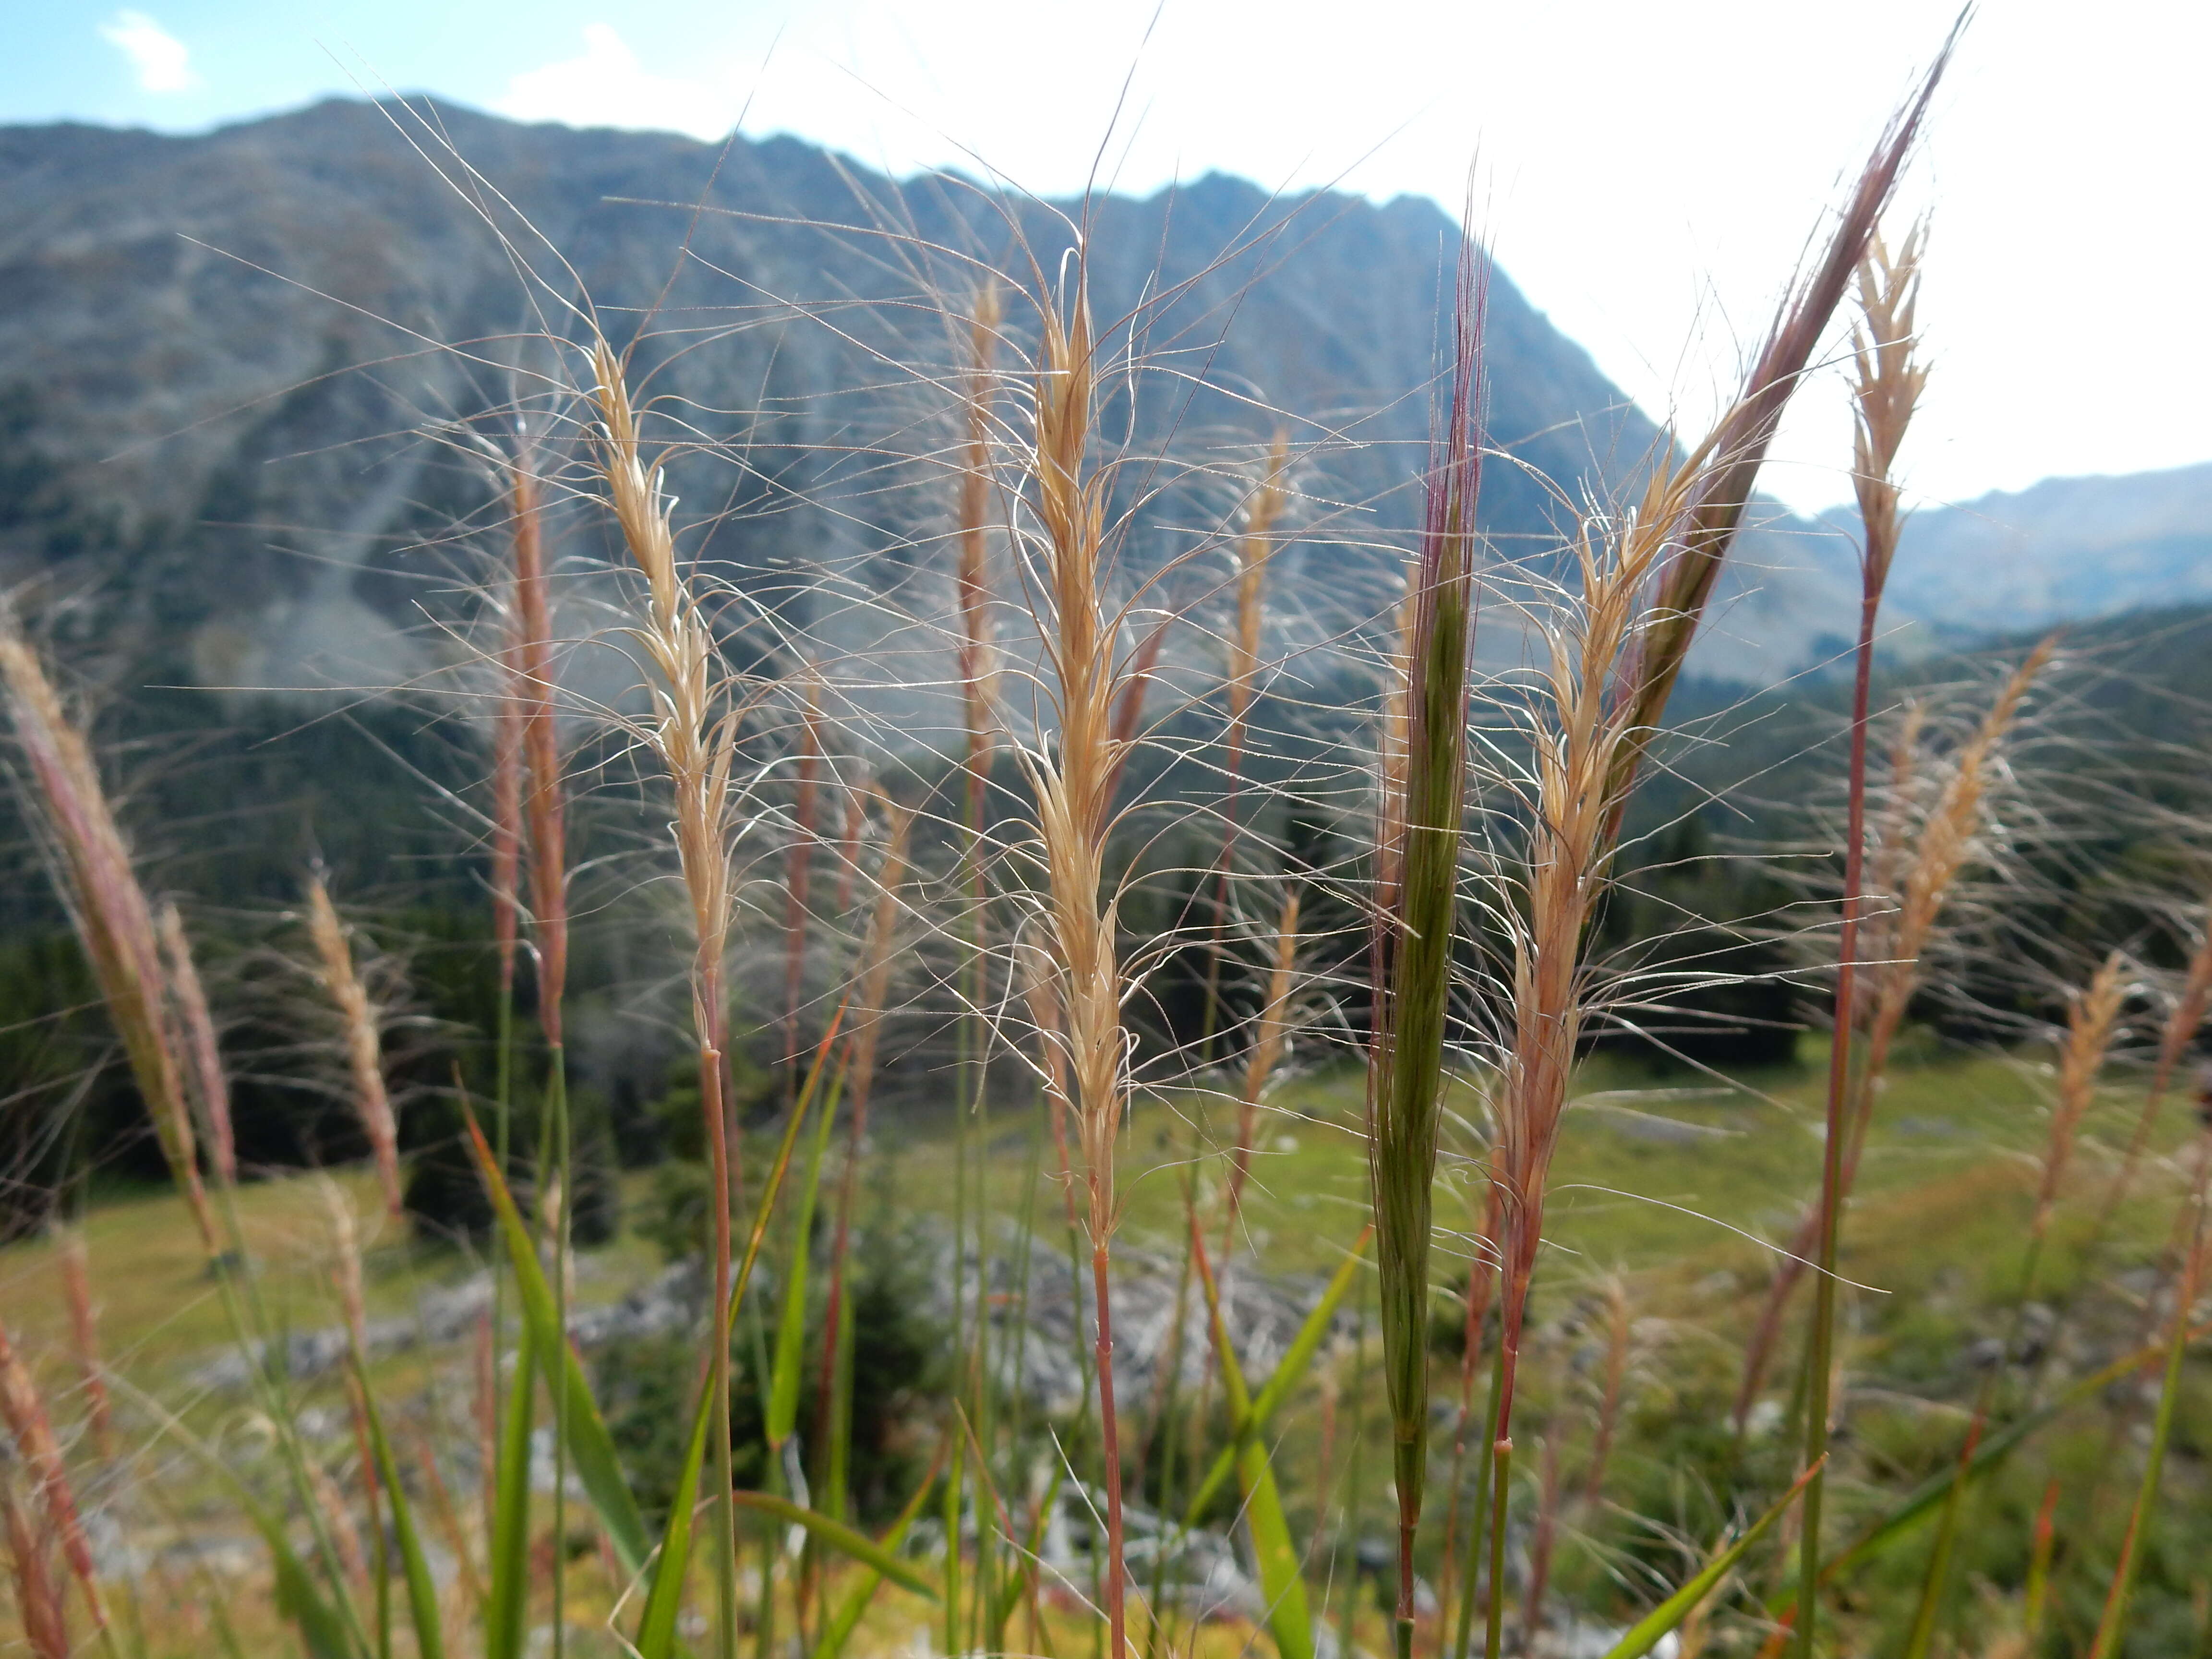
[
  {"x": 24, "y": 1411},
  {"x": 1889, "y": 381},
  {"x": 93, "y": 869},
  {"x": 692, "y": 729},
  {"x": 1255, "y": 548},
  {"x": 84, "y": 1334},
  {"x": 202, "y": 1053},
  {"x": 1072, "y": 784},
  {"x": 358, "y": 1017},
  {"x": 2090, "y": 1027}
]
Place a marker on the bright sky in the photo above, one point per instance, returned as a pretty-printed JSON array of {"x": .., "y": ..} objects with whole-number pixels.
[{"x": 1647, "y": 173}]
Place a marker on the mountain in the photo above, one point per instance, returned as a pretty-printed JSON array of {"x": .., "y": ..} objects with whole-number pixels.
[
  {"x": 239, "y": 363},
  {"x": 2063, "y": 549},
  {"x": 245, "y": 377}
]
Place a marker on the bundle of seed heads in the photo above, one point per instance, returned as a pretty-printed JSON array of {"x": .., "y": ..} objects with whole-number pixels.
[
  {"x": 1072, "y": 782},
  {"x": 692, "y": 730},
  {"x": 359, "y": 1019},
  {"x": 93, "y": 869}
]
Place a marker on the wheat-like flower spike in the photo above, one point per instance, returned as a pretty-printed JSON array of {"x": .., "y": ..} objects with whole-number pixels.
[
  {"x": 692, "y": 729},
  {"x": 2091, "y": 1028},
  {"x": 1729, "y": 460},
  {"x": 24, "y": 1411},
  {"x": 542, "y": 808},
  {"x": 1412, "y": 939},
  {"x": 359, "y": 1020},
  {"x": 39, "y": 1609},
  {"x": 93, "y": 873},
  {"x": 202, "y": 1052}
]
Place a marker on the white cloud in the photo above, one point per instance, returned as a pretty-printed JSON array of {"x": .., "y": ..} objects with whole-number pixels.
[
  {"x": 605, "y": 86},
  {"x": 161, "y": 61}
]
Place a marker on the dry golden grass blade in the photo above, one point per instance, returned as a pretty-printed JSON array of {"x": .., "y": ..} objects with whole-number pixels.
[
  {"x": 2182, "y": 1021},
  {"x": 359, "y": 1019},
  {"x": 2090, "y": 1027}
]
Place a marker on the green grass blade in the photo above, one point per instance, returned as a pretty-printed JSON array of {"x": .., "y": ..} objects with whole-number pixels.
[
  {"x": 1282, "y": 1586},
  {"x": 791, "y": 1322},
  {"x": 422, "y": 1589},
  {"x": 844, "y": 1540},
  {"x": 506, "y": 1601},
  {"x": 591, "y": 1448},
  {"x": 1287, "y": 1375},
  {"x": 841, "y": 1624},
  {"x": 1644, "y": 1635}
]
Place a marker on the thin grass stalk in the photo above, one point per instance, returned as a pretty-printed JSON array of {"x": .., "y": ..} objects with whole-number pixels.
[
  {"x": 1255, "y": 547},
  {"x": 696, "y": 742},
  {"x": 1412, "y": 939},
  {"x": 23, "y": 1409},
  {"x": 1946, "y": 840},
  {"x": 84, "y": 1335},
  {"x": 1265, "y": 1055},
  {"x": 92, "y": 871},
  {"x": 202, "y": 1053},
  {"x": 358, "y": 1017},
  {"x": 1889, "y": 380},
  {"x": 1072, "y": 783}
]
